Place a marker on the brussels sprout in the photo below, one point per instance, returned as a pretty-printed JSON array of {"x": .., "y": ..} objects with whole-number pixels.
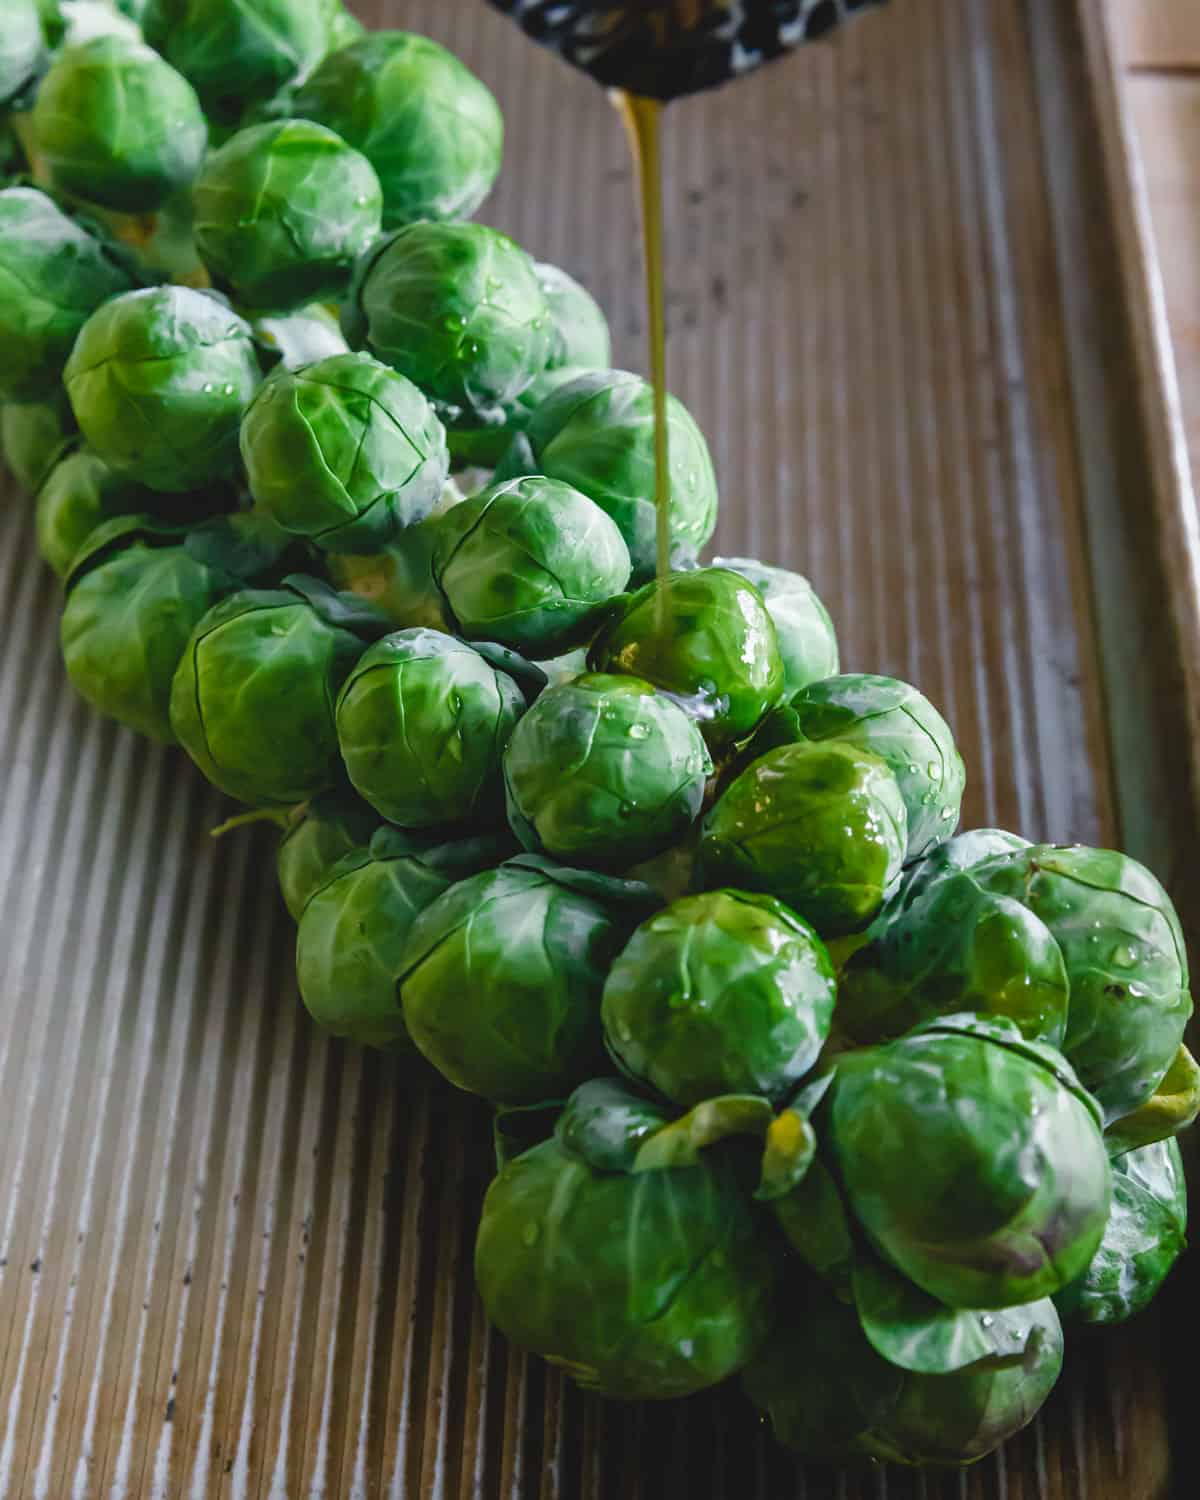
[
  {"x": 502, "y": 976},
  {"x": 252, "y": 700},
  {"x": 116, "y": 125},
  {"x": 641, "y": 1285},
  {"x": 603, "y": 770},
  {"x": 458, "y": 309},
  {"x": 720, "y": 993},
  {"x": 597, "y": 433},
  {"x": 53, "y": 275},
  {"x": 21, "y": 48},
  {"x": 530, "y": 563},
  {"x": 158, "y": 381},
  {"x": 283, "y": 211},
  {"x": 428, "y": 126},
  {"x": 893, "y": 721},
  {"x": 344, "y": 451},
  {"x": 297, "y": 338},
  {"x": 962, "y": 852},
  {"x": 237, "y": 51},
  {"x": 321, "y": 832},
  {"x": 484, "y": 447},
  {"x": 1174, "y": 1105},
  {"x": 979, "y": 1207},
  {"x": 398, "y": 580},
  {"x": 136, "y": 591},
  {"x": 1143, "y": 1238},
  {"x": 79, "y": 493},
  {"x": 352, "y": 932},
  {"x": 706, "y": 640},
  {"x": 822, "y": 827},
  {"x": 341, "y": 28},
  {"x": 34, "y": 435},
  {"x": 422, "y": 722},
  {"x": 951, "y": 945},
  {"x": 1124, "y": 953},
  {"x": 581, "y": 336},
  {"x": 830, "y": 1395},
  {"x": 807, "y": 642}
]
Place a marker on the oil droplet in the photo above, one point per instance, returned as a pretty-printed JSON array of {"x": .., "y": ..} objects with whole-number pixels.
[
  {"x": 530, "y": 1234},
  {"x": 1124, "y": 957},
  {"x": 987, "y": 1320},
  {"x": 208, "y": 387},
  {"x": 639, "y": 731},
  {"x": 933, "y": 771},
  {"x": 455, "y": 322},
  {"x": 946, "y": 814},
  {"x": 229, "y": 390},
  {"x": 626, "y": 809},
  {"x": 913, "y": 770}
]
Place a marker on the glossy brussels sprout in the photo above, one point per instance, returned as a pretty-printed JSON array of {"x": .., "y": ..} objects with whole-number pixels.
[
  {"x": 979, "y": 1207},
  {"x": 822, "y": 827},
  {"x": 53, "y": 276},
  {"x": 831, "y": 1395},
  {"x": 458, "y": 309},
  {"x": 21, "y": 48},
  {"x": 34, "y": 435},
  {"x": 344, "y": 451},
  {"x": 79, "y": 493},
  {"x": 136, "y": 591},
  {"x": 640, "y": 1284},
  {"x": 597, "y": 433},
  {"x": 807, "y": 642},
  {"x": 117, "y": 125},
  {"x": 530, "y": 563},
  {"x": 158, "y": 380},
  {"x": 1126, "y": 963},
  {"x": 705, "y": 639},
  {"x": 237, "y": 51},
  {"x": 895, "y": 722},
  {"x": 351, "y": 938},
  {"x": 721, "y": 993},
  {"x": 603, "y": 770},
  {"x": 252, "y": 700},
  {"x": 297, "y": 338},
  {"x": 1172, "y": 1108},
  {"x": 962, "y": 852},
  {"x": 1144, "y": 1237},
  {"x": 422, "y": 722},
  {"x": 947, "y": 944},
  {"x": 484, "y": 447},
  {"x": 581, "y": 336},
  {"x": 320, "y": 833},
  {"x": 427, "y": 125},
  {"x": 283, "y": 211},
  {"x": 502, "y": 976}
]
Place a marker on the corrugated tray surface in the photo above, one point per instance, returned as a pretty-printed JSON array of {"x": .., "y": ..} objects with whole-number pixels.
[{"x": 234, "y": 1255}]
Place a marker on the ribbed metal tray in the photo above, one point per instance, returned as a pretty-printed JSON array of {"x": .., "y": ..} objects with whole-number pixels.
[{"x": 908, "y": 305}]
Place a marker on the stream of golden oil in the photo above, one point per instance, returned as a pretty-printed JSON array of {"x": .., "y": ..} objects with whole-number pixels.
[{"x": 642, "y": 117}]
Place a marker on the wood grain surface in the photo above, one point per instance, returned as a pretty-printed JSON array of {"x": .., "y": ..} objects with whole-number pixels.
[{"x": 235, "y": 1255}]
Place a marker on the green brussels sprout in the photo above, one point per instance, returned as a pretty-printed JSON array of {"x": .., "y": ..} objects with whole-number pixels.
[
  {"x": 320, "y": 833},
  {"x": 1144, "y": 1237},
  {"x": 252, "y": 699},
  {"x": 1125, "y": 959},
  {"x": 947, "y": 944},
  {"x": 34, "y": 436},
  {"x": 721, "y": 993},
  {"x": 283, "y": 211},
  {"x": 297, "y": 338},
  {"x": 530, "y": 563},
  {"x": 341, "y": 28},
  {"x": 158, "y": 380},
  {"x": 821, "y": 827},
  {"x": 962, "y": 852},
  {"x": 597, "y": 433},
  {"x": 53, "y": 276},
  {"x": 895, "y": 722},
  {"x": 135, "y": 592},
  {"x": 117, "y": 125},
  {"x": 1173, "y": 1107},
  {"x": 21, "y": 48},
  {"x": 422, "y": 722},
  {"x": 706, "y": 640},
  {"x": 484, "y": 447},
  {"x": 344, "y": 451},
  {"x": 581, "y": 336},
  {"x": 432, "y": 131},
  {"x": 353, "y": 928},
  {"x": 831, "y": 1395},
  {"x": 237, "y": 51},
  {"x": 502, "y": 976},
  {"x": 603, "y": 770},
  {"x": 458, "y": 309},
  {"x": 641, "y": 1285},
  {"x": 980, "y": 1207},
  {"x": 807, "y": 642},
  {"x": 79, "y": 493},
  {"x": 398, "y": 580}
]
